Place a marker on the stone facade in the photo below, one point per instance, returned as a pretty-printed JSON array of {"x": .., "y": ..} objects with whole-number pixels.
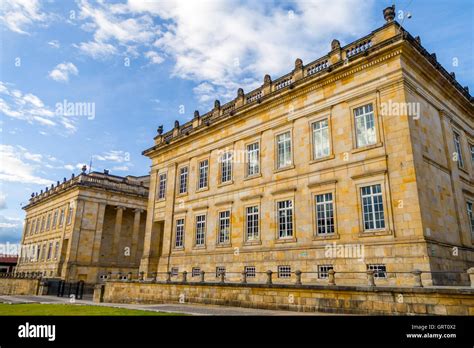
[
  {"x": 85, "y": 227},
  {"x": 360, "y": 95}
]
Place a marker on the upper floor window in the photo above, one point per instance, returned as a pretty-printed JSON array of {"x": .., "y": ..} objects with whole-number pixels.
[
  {"x": 56, "y": 251},
  {"x": 224, "y": 227},
  {"x": 458, "y": 149},
  {"x": 200, "y": 229},
  {"x": 61, "y": 218},
  {"x": 252, "y": 217},
  {"x": 179, "y": 241},
  {"x": 183, "y": 180},
  {"x": 472, "y": 152},
  {"x": 324, "y": 214},
  {"x": 203, "y": 174},
  {"x": 162, "y": 186},
  {"x": 55, "y": 218},
  {"x": 42, "y": 223},
  {"x": 50, "y": 251},
  {"x": 69, "y": 215},
  {"x": 321, "y": 139},
  {"x": 253, "y": 159},
  {"x": 226, "y": 167},
  {"x": 365, "y": 125},
  {"x": 32, "y": 227},
  {"x": 37, "y": 225},
  {"x": 372, "y": 205},
  {"x": 285, "y": 218},
  {"x": 284, "y": 150},
  {"x": 470, "y": 215},
  {"x": 48, "y": 222}
]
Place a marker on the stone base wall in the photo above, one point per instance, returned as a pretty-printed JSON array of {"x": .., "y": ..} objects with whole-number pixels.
[
  {"x": 329, "y": 299},
  {"x": 13, "y": 286}
]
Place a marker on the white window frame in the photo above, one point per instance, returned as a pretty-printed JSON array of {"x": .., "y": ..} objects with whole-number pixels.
[
  {"x": 284, "y": 149},
  {"x": 183, "y": 180},
  {"x": 321, "y": 150},
  {"x": 162, "y": 178},
  {"x": 458, "y": 148},
  {"x": 283, "y": 208},
  {"x": 55, "y": 219},
  {"x": 179, "y": 233},
  {"x": 203, "y": 174},
  {"x": 195, "y": 272},
  {"x": 372, "y": 196},
  {"x": 200, "y": 233},
  {"x": 253, "y": 158},
  {"x": 284, "y": 271},
  {"x": 226, "y": 167},
  {"x": 250, "y": 271},
  {"x": 470, "y": 216},
  {"x": 252, "y": 226},
  {"x": 325, "y": 214},
  {"x": 364, "y": 116},
  {"x": 69, "y": 215},
  {"x": 61, "y": 217},
  {"x": 224, "y": 223}
]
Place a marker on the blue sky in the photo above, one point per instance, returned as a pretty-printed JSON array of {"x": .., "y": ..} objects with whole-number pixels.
[{"x": 143, "y": 63}]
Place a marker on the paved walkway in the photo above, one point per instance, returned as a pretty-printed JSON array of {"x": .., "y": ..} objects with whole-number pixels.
[{"x": 191, "y": 309}]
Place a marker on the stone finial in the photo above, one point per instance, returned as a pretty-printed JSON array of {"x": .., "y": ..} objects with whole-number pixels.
[
  {"x": 160, "y": 129},
  {"x": 41, "y": 192},
  {"x": 453, "y": 75},
  {"x": 84, "y": 168},
  {"x": 52, "y": 186},
  {"x": 418, "y": 39},
  {"x": 335, "y": 44},
  {"x": 389, "y": 13},
  {"x": 196, "y": 113},
  {"x": 106, "y": 171},
  {"x": 217, "y": 104},
  {"x": 433, "y": 55},
  {"x": 298, "y": 64},
  {"x": 64, "y": 179},
  {"x": 466, "y": 88},
  {"x": 176, "y": 124},
  {"x": 32, "y": 194},
  {"x": 72, "y": 176},
  {"x": 46, "y": 189},
  {"x": 57, "y": 183},
  {"x": 267, "y": 79},
  {"x": 240, "y": 92}
]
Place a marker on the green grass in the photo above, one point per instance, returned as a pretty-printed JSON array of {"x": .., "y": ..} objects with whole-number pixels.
[{"x": 37, "y": 309}]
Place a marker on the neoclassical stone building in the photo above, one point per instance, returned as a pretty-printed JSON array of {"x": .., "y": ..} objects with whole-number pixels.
[
  {"x": 85, "y": 227},
  {"x": 369, "y": 149}
]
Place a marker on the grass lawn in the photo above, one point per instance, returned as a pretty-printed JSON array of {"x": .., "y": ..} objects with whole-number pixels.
[{"x": 37, "y": 309}]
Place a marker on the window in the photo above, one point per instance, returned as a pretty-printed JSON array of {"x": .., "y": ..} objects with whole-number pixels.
[
  {"x": 372, "y": 206},
  {"x": 252, "y": 222},
  {"x": 61, "y": 218},
  {"x": 37, "y": 225},
  {"x": 471, "y": 217},
  {"x": 162, "y": 186},
  {"x": 69, "y": 215},
  {"x": 321, "y": 139},
  {"x": 253, "y": 159},
  {"x": 42, "y": 223},
  {"x": 380, "y": 271},
  {"x": 323, "y": 271},
  {"x": 183, "y": 180},
  {"x": 285, "y": 219},
  {"x": 203, "y": 174},
  {"x": 56, "y": 250},
  {"x": 174, "y": 271},
  {"x": 324, "y": 214},
  {"x": 472, "y": 153},
  {"x": 458, "y": 149},
  {"x": 38, "y": 251},
  {"x": 196, "y": 272},
  {"x": 50, "y": 251},
  {"x": 284, "y": 272},
  {"x": 43, "y": 252},
  {"x": 284, "y": 150},
  {"x": 55, "y": 219},
  {"x": 179, "y": 242},
  {"x": 32, "y": 227},
  {"x": 365, "y": 125},
  {"x": 200, "y": 229},
  {"x": 48, "y": 222},
  {"x": 224, "y": 227},
  {"x": 219, "y": 271},
  {"x": 226, "y": 167},
  {"x": 250, "y": 271}
]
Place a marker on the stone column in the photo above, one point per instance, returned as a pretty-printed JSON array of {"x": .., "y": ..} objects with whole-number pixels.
[
  {"x": 298, "y": 277},
  {"x": 417, "y": 278},
  {"x": 370, "y": 278},
  {"x": 269, "y": 277},
  {"x": 135, "y": 234},
  {"x": 331, "y": 277},
  {"x": 116, "y": 236},
  {"x": 98, "y": 233}
]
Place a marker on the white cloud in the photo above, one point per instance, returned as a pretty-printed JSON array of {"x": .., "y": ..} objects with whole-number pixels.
[
  {"x": 117, "y": 156},
  {"x": 28, "y": 107},
  {"x": 227, "y": 44},
  {"x": 62, "y": 71},
  {"x": 3, "y": 201},
  {"x": 17, "y": 15},
  {"x": 121, "y": 168},
  {"x": 97, "y": 50},
  {"x": 54, "y": 43},
  {"x": 69, "y": 167},
  {"x": 15, "y": 167},
  {"x": 154, "y": 57}
]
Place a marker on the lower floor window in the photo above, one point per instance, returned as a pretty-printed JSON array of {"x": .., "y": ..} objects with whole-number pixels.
[
  {"x": 250, "y": 271},
  {"x": 284, "y": 271},
  {"x": 380, "y": 271},
  {"x": 174, "y": 271},
  {"x": 323, "y": 271},
  {"x": 196, "y": 272},
  {"x": 220, "y": 270}
]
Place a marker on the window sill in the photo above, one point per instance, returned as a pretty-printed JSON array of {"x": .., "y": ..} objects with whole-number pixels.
[
  {"x": 160, "y": 200},
  {"x": 368, "y": 147},
  {"x": 225, "y": 183},
  {"x": 278, "y": 170},
  {"x": 286, "y": 240},
  {"x": 202, "y": 189},
  {"x": 375, "y": 233},
  {"x": 322, "y": 159},
  {"x": 199, "y": 247},
  {"x": 184, "y": 194},
  {"x": 326, "y": 236},
  {"x": 180, "y": 249},
  {"x": 224, "y": 245},
  {"x": 254, "y": 176},
  {"x": 252, "y": 242}
]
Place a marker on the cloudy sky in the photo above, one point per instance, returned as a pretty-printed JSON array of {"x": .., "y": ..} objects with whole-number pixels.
[{"x": 140, "y": 63}]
